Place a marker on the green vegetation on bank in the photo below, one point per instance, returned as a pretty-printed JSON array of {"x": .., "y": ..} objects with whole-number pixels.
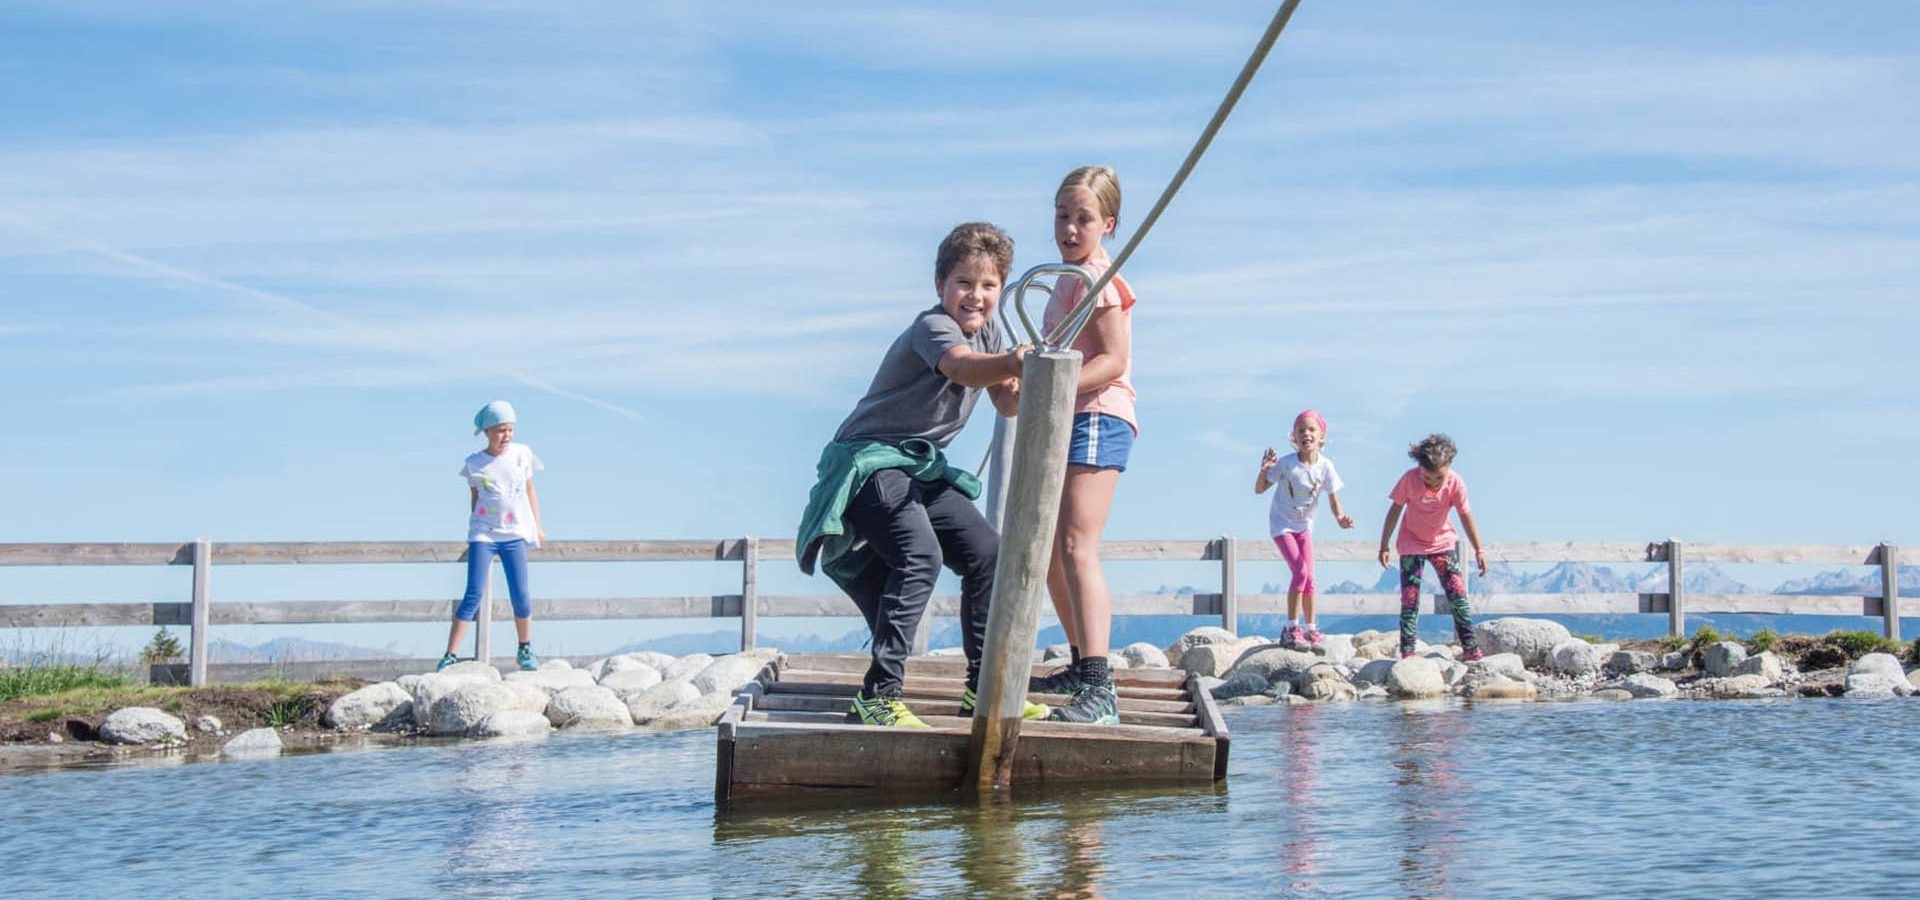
[{"x": 38, "y": 681}]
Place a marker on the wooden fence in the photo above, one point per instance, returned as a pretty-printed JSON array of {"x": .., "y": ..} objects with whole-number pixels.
[{"x": 202, "y": 613}]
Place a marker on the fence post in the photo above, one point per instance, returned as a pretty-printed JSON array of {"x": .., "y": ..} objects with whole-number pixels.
[
  {"x": 1676, "y": 589},
  {"x": 202, "y": 613},
  {"x": 1229, "y": 590},
  {"x": 1890, "y": 588},
  {"x": 483, "y": 620},
  {"x": 749, "y": 590}
]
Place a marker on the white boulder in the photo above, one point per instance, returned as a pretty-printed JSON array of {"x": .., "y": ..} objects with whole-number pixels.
[
  {"x": 1723, "y": 658},
  {"x": 728, "y": 673},
  {"x": 657, "y": 700},
  {"x": 254, "y": 742},
  {"x": 208, "y": 725},
  {"x": 1647, "y": 686},
  {"x": 1506, "y": 665},
  {"x": 652, "y": 659},
  {"x": 698, "y": 712},
  {"x": 627, "y": 682},
  {"x": 588, "y": 706},
  {"x": 460, "y": 709},
  {"x": 1532, "y": 640},
  {"x": 1879, "y": 664},
  {"x": 1208, "y": 634},
  {"x": 553, "y": 681},
  {"x": 512, "y": 723},
  {"x": 1143, "y": 655},
  {"x": 1416, "y": 677},
  {"x": 1629, "y": 662},
  {"x": 1575, "y": 657},
  {"x": 555, "y": 663},
  {"x": 1240, "y": 684},
  {"x": 471, "y": 667},
  {"x": 384, "y": 705},
  {"x": 1871, "y": 685},
  {"x": 686, "y": 666},
  {"x": 1373, "y": 673},
  {"x": 142, "y": 725},
  {"x": 1764, "y": 664}
]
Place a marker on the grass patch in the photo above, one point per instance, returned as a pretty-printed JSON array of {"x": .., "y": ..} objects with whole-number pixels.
[
  {"x": 44, "y": 715},
  {"x": 1590, "y": 638},
  {"x": 288, "y": 711},
  {"x": 41, "y": 681},
  {"x": 1762, "y": 641},
  {"x": 1856, "y": 644},
  {"x": 1671, "y": 642}
]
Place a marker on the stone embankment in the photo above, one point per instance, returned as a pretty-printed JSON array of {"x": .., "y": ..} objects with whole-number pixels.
[{"x": 1525, "y": 659}]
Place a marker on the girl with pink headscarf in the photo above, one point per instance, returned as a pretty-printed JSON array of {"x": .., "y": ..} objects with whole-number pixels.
[{"x": 1301, "y": 478}]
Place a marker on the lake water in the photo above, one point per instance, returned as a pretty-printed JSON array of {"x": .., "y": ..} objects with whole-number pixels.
[{"x": 1646, "y": 799}]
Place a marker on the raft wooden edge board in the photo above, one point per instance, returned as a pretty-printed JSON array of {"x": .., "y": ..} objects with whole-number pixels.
[{"x": 767, "y": 750}]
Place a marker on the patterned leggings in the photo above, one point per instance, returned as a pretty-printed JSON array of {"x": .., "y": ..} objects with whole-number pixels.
[{"x": 1447, "y": 567}]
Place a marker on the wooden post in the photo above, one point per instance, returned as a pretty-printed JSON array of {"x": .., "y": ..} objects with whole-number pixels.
[
  {"x": 202, "y": 613},
  {"x": 1039, "y": 472},
  {"x": 1890, "y": 588},
  {"x": 1229, "y": 598},
  {"x": 999, "y": 460},
  {"x": 749, "y": 590},
  {"x": 483, "y": 618},
  {"x": 1676, "y": 590}
]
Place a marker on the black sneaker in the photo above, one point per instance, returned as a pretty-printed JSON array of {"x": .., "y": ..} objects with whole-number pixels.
[
  {"x": 1065, "y": 682},
  {"x": 1092, "y": 704}
]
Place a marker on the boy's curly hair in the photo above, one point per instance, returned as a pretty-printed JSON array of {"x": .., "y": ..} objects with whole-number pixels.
[
  {"x": 1434, "y": 452},
  {"x": 972, "y": 238}
]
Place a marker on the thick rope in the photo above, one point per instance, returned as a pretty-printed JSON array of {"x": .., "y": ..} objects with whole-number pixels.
[{"x": 1077, "y": 319}]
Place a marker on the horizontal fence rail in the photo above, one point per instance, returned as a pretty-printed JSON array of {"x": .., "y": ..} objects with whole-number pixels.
[{"x": 1228, "y": 603}]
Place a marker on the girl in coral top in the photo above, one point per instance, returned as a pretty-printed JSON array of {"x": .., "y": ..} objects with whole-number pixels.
[{"x": 1086, "y": 210}]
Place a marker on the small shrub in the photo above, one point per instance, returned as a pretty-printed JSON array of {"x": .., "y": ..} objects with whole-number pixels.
[
  {"x": 1703, "y": 637},
  {"x": 1671, "y": 642},
  {"x": 1912, "y": 657},
  {"x": 1856, "y": 644},
  {"x": 1762, "y": 641}
]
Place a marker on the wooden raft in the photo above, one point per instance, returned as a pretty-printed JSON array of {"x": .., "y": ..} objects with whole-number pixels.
[{"x": 786, "y": 733}]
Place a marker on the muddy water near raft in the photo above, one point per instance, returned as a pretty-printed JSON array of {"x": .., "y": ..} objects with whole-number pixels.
[{"x": 1670, "y": 799}]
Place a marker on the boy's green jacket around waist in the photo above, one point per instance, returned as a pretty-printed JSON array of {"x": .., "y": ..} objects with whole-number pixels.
[{"x": 844, "y": 469}]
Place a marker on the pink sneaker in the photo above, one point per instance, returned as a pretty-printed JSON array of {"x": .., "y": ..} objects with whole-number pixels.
[
  {"x": 1314, "y": 637},
  {"x": 1473, "y": 655},
  {"x": 1290, "y": 637},
  {"x": 1406, "y": 654}
]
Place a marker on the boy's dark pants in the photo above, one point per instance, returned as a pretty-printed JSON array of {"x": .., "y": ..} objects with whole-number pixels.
[{"x": 914, "y": 527}]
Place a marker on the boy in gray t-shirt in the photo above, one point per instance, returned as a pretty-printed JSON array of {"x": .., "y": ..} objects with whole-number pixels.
[{"x": 906, "y": 508}]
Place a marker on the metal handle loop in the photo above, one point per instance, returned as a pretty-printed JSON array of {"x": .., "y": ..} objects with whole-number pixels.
[{"x": 1018, "y": 291}]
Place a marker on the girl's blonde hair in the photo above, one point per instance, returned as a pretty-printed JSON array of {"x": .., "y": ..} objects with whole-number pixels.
[{"x": 1104, "y": 184}]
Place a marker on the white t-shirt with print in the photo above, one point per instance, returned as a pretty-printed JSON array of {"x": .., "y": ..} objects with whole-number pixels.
[
  {"x": 1297, "y": 489},
  {"x": 501, "y": 509}
]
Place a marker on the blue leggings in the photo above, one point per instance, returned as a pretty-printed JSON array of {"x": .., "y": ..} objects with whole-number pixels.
[{"x": 513, "y": 558}]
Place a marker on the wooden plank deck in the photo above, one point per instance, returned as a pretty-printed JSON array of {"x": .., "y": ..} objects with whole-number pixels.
[{"x": 787, "y": 734}]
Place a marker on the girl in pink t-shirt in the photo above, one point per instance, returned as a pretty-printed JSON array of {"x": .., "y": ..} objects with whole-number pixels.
[
  {"x": 1086, "y": 210},
  {"x": 1428, "y": 494}
]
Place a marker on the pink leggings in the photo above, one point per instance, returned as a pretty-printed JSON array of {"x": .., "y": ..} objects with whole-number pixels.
[{"x": 1296, "y": 547}]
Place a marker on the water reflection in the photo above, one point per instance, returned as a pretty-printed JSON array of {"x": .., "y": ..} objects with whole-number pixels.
[
  {"x": 492, "y": 849},
  {"x": 1430, "y": 795},
  {"x": 1300, "y": 841}
]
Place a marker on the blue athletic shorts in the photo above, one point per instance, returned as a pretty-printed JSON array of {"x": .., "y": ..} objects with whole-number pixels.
[{"x": 1103, "y": 442}]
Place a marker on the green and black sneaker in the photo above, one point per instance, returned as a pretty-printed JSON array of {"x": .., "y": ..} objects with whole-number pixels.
[
  {"x": 887, "y": 712},
  {"x": 1092, "y": 704},
  {"x": 1030, "y": 712},
  {"x": 1065, "y": 682}
]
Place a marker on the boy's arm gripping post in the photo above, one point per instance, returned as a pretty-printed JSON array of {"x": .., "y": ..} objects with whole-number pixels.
[{"x": 967, "y": 366}]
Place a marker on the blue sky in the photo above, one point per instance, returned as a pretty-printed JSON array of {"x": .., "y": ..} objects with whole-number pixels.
[{"x": 1652, "y": 265}]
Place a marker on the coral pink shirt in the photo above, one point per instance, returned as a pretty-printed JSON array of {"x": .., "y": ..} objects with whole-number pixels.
[
  {"x": 1425, "y": 525},
  {"x": 1116, "y": 399}
]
